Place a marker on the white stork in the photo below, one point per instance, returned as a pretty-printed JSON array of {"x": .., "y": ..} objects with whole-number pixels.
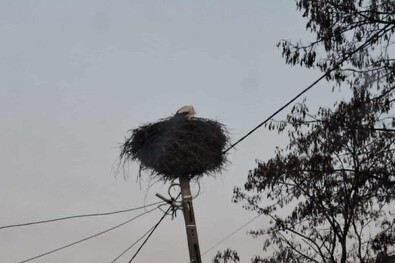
[{"x": 186, "y": 111}]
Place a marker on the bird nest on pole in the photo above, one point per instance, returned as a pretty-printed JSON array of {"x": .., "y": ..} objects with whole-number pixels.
[{"x": 178, "y": 146}]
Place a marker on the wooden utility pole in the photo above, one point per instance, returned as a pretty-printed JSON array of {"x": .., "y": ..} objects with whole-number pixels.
[{"x": 190, "y": 223}]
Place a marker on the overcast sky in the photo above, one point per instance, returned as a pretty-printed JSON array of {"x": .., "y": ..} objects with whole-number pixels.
[{"x": 75, "y": 76}]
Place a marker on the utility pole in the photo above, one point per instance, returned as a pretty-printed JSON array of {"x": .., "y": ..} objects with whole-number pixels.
[{"x": 190, "y": 223}]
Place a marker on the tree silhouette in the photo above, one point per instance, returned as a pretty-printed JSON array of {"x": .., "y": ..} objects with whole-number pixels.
[
  {"x": 329, "y": 192},
  {"x": 226, "y": 256},
  {"x": 326, "y": 191},
  {"x": 355, "y": 37}
]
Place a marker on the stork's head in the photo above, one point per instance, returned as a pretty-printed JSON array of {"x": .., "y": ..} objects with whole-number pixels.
[{"x": 186, "y": 111}]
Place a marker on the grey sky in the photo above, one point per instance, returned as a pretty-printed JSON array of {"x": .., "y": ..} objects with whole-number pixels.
[{"x": 77, "y": 75}]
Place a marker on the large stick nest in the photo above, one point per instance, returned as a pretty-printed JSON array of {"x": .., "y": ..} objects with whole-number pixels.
[{"x": 178, "y": 146}]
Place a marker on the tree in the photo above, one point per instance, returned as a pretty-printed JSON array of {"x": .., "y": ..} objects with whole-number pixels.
[
  {"x": 386, "y": 238},
  {"x": 329, "y": 192},
  {"x": 329, "y": 187},
  {"x": 226, "y": 256},
  {"x": 354, "y": 43}
]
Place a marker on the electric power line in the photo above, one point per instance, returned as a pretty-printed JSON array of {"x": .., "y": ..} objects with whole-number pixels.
[
  {"x": 87, "y": 238},
  {"x": 79, "y": 216},
  {"x": 132, "y": 245},
  {"x": 278, "y": 111},
  {"x": 153, "y": 229},
  {"x": 225, "y": 151},
  {"x": 231, "y": 234},
  {"x": 362, "y": 46}
]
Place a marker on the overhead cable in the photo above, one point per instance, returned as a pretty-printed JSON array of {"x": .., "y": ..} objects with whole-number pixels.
[
  {"x": 80, "y": 216},
  {"x": 87, "y": 238},
  {"x": 152, "y": 231},
  {"x": 345, "y": 58},
  {"x": 231, "y": 234},
  {"x": 132, "y": 245}
]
